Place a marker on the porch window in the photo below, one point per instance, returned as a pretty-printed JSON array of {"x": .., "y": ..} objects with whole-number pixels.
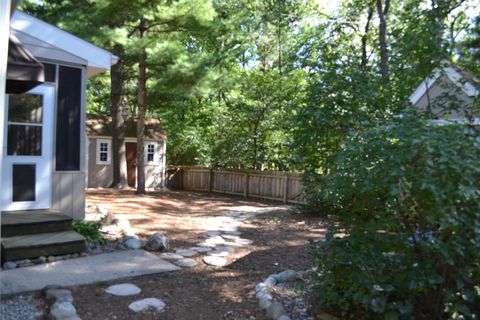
[
  {"x": 150, "y": 148},
  {"x": 103, "y": 152}
]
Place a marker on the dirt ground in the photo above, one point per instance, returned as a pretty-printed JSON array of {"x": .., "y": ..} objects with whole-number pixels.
[{"x": 281, "y": 241}]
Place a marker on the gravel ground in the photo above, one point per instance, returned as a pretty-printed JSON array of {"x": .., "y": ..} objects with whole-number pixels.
[{"x": 21, "y": 307}]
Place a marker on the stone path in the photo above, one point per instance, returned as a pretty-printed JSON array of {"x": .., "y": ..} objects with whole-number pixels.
[{"x": 220, "y": 240}]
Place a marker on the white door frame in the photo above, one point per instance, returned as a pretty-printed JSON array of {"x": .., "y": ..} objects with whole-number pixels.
[{"x": 43, "y": 163}]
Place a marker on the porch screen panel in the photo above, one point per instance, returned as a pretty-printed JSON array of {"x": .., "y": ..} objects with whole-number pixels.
[{"x": 67, "y": 151}]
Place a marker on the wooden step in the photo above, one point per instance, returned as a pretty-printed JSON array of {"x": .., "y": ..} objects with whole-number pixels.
[
  {"x": 42, "y": 244},
  {"x": 18, "y": 223}
]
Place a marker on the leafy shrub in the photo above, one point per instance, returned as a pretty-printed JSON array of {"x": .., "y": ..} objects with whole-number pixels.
[
  {"x": 90, "y": 230},
  {"x": 406, "y": 243}
]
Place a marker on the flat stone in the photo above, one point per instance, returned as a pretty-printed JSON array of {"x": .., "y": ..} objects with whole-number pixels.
[
  {"x": 123, "y": 289},
  {"x": 206, "y": 244},
  {"x": 213, "y": 233},
  {"x": 187, "y": 253},
  {"x": 215, "y": 240},
  {"x": 230, "y": 237},
  {"x": 218, "y": 253},
  {"x": 145, "y": 304},
  {"x": 225, "y": 248},
  {"x": 233, "y": 244},
  {"x": 215, "y": 261},
  {"x": 171, "y": 256},
  {"x": 62, "y": 310},
  {"x": 133, "y": 243},
  {"x": 233, "y": 233},
  {"x": 59, "y": 295},
  {"x": 9, "y": 265},
  {"x": 186, "y": 263},
  {"x": 90, "y": 269},
  {"x": 243, "y": 241},
  {"x": 201, "y": 249}
]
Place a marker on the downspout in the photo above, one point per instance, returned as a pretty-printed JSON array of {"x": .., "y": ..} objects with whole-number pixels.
[{"x": 5, "y": 10}]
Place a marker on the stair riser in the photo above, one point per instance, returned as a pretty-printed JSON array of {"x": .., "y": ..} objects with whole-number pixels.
[
  {"x": 35, "y": 228},
  {"x": 48, "y": 250}
]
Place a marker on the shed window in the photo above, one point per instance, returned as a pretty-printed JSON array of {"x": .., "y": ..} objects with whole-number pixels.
[
  {"x": 150, "y": 148},
  {"x": 103, "y": 152}
]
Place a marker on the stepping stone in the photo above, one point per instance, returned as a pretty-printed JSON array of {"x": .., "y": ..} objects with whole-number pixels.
[
  {"x": 206, "y": 244},
  {"x": 233, "y": 233},
  {"x": 215, "y": 261},
  {"x": 230, "y": 237},
  {"x": 225, "y": 248},
  {"x": 187, "y": 253},
  {"x": 244, "y": 241},
  {"x": 218, "y": 253},
  {"x": 213, "y": 233},
  {"x": 186, "y": 263},
  {"x": 124, "y": 289},
  {"x": 201, "y": 249},
  {"x": 145, "y": 304},
  {"x": 171, "y": 256},
  {"x": 215, "y": 240}
]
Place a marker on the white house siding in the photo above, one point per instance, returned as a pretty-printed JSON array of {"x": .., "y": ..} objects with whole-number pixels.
[{"x": 438, "y": 90}]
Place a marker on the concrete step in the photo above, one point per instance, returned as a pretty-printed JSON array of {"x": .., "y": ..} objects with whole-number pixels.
[
  {"x": 19, "y": 223},
  {"x": 41, "y": 244}
]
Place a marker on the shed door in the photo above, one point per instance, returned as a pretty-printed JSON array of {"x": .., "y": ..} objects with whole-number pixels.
[
  {"x": 131, "y": 151},
  {"x": 27, "y": 154}
]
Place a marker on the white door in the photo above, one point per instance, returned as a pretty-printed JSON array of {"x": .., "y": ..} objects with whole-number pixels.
[{"x": 27, "y": 155}]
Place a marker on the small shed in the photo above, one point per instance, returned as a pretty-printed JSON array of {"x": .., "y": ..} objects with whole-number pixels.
[
  {"x": 450, "y": 93},
  {"x": 100, "y": 166}
]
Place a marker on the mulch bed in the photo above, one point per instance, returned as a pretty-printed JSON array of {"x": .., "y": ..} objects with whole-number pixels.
[{"x": 281, "y": 241}]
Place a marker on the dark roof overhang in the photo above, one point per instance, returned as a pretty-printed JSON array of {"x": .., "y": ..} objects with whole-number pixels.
[{"x": 24, "y": 71}]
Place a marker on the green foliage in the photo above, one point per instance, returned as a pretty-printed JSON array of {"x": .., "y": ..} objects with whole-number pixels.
[
  {"x": 405, "y": 196},
  {"x": 90, "y": 230}
]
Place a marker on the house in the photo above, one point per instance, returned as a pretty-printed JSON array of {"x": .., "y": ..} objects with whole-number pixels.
[
  {"x": 100, "y": 168},
  {"x": 43, "y": 141},
  {"x": 450, "y": 94}
]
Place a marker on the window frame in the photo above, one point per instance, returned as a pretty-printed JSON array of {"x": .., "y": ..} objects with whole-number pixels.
[
  {"x": 98, "y": 152},
  {"x": 154, "y": 161}
]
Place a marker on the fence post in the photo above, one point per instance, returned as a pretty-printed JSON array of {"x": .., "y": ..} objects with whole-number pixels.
[
  {"x": 245, "y": 189},
  {"x": 210, "y": 180},
  {"x": 285, "y": 194}
]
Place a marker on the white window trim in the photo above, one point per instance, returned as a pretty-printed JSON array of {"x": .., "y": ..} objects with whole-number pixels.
[
  {"x": 155, "y": 156},
  {"x": 109, "y": 151}
]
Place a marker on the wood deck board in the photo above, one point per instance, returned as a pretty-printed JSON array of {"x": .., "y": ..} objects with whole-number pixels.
[
  {"x": 41, "y": 239},
  {"x": 31, "y": 217}
]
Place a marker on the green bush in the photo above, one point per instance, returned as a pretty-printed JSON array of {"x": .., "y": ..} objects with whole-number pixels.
[
  {"x": 90, "y": 230},
  {"x": 405, "y": 200}
]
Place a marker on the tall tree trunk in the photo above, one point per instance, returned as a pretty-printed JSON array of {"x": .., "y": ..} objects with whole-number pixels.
[
  {"x": 142, "y": 80},
  {"x": 365, "y": 37},
  {"x": 382, "y": 11},
  {"x": 118, "y": 124}
]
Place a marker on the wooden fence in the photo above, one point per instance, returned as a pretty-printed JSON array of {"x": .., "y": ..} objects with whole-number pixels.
[{"x": 273, "y": 185}]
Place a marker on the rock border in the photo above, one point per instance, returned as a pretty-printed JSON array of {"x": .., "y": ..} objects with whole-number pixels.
[{"x": 273, "y": 308}]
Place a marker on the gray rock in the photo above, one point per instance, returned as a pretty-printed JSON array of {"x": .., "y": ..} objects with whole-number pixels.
[
  {"x": 157, "y": 242},
  {"x": 207, "y": 244},
  {"x": 171, "y": 256},
  {"x": 218, "y": 253},
  {"x": 62, "y": 310},
  {"x": 145, "y": 304},
  {"x": 285, "y": 276},
  {"x": 9, "y": 265},
  {"x": 40, "y": 260},
  {"x": 133, "y": 243},
  {"x": 215, "y": 261},
  {"x": 51, "y": 259},
  {"x": 264, "y": 303},
  {"x": 260, "y": 287},
  {"x": 275, "y": 310},
  {"x": 243, "y": 241},
  {"x": 270, "y": 281},
  {"x": 201, "y": 249},
  {"x": 187, "y": 253},
  {"x": 59, "y": 295},
  {"x": 215, "y": 240},
  {"x": 284, "y": 317},
  {"x": 24, "y": 263},
  {"x": 230, "y": 237},
  {"x": 186, "y": 263},
  {"x": 123, "y": 289}
]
